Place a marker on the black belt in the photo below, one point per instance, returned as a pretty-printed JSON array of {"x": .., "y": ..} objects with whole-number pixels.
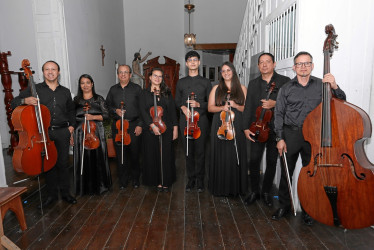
[
  {"x": 295, "y": 128},
  {"x": 64, "y": 125}
]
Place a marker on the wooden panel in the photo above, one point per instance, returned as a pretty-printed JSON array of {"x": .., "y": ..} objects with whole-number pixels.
[{"x": 170, "y": 68}]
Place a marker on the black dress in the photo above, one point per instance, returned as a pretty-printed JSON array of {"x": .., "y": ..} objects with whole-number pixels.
[
  {"x": 96, "y": 177},
  {"x": 153, "y": 174},
  {"x": 226, "y": 177}
]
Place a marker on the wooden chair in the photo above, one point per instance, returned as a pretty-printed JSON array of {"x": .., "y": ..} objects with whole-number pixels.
[{"x": 10, "y": 198}]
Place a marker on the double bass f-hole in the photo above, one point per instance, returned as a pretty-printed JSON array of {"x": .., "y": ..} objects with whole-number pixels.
[{"x": 260, "y": 127}]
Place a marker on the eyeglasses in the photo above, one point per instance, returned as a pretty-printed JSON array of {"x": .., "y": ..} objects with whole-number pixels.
[
  {"x": 123, "y": 72},
  {"x": 192, "y": 59},
  {"x": 300, "y": 64},
  {"x": 156, "y": 76}
]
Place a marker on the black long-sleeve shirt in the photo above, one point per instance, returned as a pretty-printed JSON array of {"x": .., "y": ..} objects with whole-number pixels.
[
  {"x": 129, "y": 95},
  {"x": 58, "y": 101},
  {"x": 258, "y": 90},
  {"x": 295, "y": 102},
  {"x": 201, "y": 88}
]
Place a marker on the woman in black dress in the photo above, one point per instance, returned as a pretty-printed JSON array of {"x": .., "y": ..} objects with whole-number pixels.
[
  {"x": 158, "y": 162},
  {"x": 95, "y": 177},
  {"x": 226, "y": 176}
]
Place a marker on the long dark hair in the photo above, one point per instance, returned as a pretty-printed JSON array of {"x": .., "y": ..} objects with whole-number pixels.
[
  {"x": 164, "y": 89},
  {"x": 80, "y": 92},
  {"x": 236, "y": 92}
]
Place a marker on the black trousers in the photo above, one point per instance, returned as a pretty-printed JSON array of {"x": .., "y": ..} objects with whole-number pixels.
[
  {"x": 256, "y": 152},
  {"x": 195, "y": 161},
  {"x": 130, "y": 169},
  {"x": 58, "y": 177},
  {"x": 295, "y": 145}
]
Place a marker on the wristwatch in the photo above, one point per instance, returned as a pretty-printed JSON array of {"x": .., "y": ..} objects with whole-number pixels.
[{"x": 277, "y": 139}]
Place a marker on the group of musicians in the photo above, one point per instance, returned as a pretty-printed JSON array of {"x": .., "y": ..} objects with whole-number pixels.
[{"x": 148, "y": 119}]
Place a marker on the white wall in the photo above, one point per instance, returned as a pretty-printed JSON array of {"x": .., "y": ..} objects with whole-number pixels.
[
  {"x": 217, "y": 21},
  {"x": 90, "y": 24},
  {"x": 155, "y": 26},
  {"x": 159, "y": 26},
  {"x": 352, "y": 63},
  {"x": 16, "y": 36}
]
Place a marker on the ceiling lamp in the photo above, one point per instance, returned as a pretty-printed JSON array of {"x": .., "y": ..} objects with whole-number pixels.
[{"x": 189, "y": 39}]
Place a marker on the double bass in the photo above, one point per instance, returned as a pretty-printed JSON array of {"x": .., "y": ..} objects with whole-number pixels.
[
  {"x": 337, "y": 187},
  {"x": 263, "y": 117},
  {"x": 35, "y": 152}
]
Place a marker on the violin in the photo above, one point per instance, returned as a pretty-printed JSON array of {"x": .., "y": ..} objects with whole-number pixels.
[
  {"x": 157, "y": 112},
  {"x": 35, "y": 152},
  {"x": 226, "y": 130},
  {"x": 337, "y": 186},
  {"x": 192, "y": 130},
  {"x": 263, "y": 117},
  {"x": 91, "y": 141},
  {"x": 122, "y": 125}
]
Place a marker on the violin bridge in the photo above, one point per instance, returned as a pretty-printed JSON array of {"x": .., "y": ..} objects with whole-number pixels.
[{"x": 330, "y": 165}]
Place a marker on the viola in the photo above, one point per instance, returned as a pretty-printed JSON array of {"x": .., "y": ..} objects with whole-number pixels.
[
  {"x": 337, "y": 186},
  {"x": 35, "y": 152},
  {"x": 91, "y": 141},
  {"x": 226, "y": 130},
  {"x": 157, "y": 113},
  {"x": 122, "y": 125},
  {"x": 263, "y": 117},
  {"x": 192, "y": 130}
]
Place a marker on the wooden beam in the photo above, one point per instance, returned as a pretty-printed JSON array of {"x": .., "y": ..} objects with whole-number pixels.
[{"x": 215, "y": 46}]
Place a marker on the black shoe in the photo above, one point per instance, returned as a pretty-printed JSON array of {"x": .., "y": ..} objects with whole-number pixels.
[
  {"x": 190, "y": 185},
  {"x": 281, "y": 212},
  {"x": 160, "y": 189},
  {"x": 307, "y": 219},
  {"x": 135, "y": 184},
  {"x": 200, "y": 185},
  {"x": 49, "y": 201},
  {"x": 69, "y": 199},
  {"x": 251, "y": 198},
  {"x": 165, "y": 189},
  {"x": 267, "y": 199},
  {"x": 123, "y": 186}
]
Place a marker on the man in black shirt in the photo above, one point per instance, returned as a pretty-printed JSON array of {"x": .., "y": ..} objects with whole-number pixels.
[
  {"x": 262, "y": 92},
  {"x": 200, "y": 86},
  {"x": 128, "y": 93},
  {"x": 295, "y": 101},
  {"x": 58, "y": 100}
]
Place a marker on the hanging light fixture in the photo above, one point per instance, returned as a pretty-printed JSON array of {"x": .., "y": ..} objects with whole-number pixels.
[{"x": 189, "y": 39}]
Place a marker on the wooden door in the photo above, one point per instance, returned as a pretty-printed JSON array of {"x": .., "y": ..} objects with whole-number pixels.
[{"x": 170, "y": 68}]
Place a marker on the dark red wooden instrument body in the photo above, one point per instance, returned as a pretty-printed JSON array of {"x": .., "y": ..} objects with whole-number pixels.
[
  {"x": 344, "y": 165},
  {"x": 157, "y": 118},
  {"x": 27, "y": 154},
  {"x": 261, "y": 126},
  {"x": 91, "y": 141},
  {"x": 193, "y": 128},
  {"x": 124, "y": 133}
]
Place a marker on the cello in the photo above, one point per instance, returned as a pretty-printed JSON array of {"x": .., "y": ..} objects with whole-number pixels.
[
  {"x": 263, "y": 116},
  {"x": 337, "y": 186},
  {"x": 35, "y": 152}
]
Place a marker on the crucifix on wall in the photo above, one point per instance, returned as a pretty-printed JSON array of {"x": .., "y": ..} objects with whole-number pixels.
[{"x": 102, "y": 54}]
